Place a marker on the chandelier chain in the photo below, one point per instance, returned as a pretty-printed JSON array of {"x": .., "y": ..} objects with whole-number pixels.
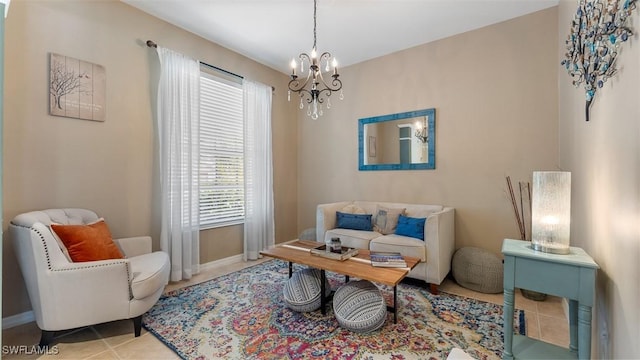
[{"x": 315, "y": 9}]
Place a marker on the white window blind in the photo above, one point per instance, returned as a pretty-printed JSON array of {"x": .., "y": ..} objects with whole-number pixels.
[{"x": 221, "y": 153}]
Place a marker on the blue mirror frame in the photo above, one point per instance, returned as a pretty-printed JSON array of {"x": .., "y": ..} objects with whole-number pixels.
[{"x": 431, "y": 143}]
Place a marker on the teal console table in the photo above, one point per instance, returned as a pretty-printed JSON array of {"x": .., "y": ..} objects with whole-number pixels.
[{"x": 570, "y": 276}]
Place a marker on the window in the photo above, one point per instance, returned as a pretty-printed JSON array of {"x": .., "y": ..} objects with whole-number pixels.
[{"x": 221, "y": 172}]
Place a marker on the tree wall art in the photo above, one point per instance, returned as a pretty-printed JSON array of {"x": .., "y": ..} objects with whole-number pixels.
[
  {"x": 76, "y": 88},
  {"x": 598, "y": 29}
]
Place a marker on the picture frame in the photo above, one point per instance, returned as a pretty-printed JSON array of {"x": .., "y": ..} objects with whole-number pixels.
[{"x": 77, "y": 88}]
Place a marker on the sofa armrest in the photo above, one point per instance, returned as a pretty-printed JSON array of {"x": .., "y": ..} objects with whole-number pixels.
[
  {"x": 439, "y": 238},
  {"x": 326, "y": 217},
  {"x": 134, "y": 246}
]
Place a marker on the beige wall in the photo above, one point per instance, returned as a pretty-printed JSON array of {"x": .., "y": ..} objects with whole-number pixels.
[
  {"x": 495, "y": 95},
  {"x": 109, "y": 167},
  {"x": 603, "y": 156}
]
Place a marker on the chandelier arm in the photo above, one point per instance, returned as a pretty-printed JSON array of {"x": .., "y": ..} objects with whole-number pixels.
[
  {"x": 307, "y": 96},
  {"x": 326, "y": 92},
  {"x": 325, "y": 56},
  {"x": 295, "y": 84},
  {"x": 304, "y": 56},
  {"x": 336, "y": 84}
]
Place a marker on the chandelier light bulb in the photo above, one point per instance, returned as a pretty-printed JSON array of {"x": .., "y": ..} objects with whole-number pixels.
[
  {"x": 314, "y": 53},
  {"x": 293, "y": 66}
]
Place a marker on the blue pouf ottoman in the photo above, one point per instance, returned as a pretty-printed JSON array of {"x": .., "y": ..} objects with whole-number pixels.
[
  {"x": 359, "y": 306},
  {"x": 302, "y": 291}
]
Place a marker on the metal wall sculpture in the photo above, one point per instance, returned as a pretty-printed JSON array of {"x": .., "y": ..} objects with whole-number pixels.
[{"x": 597, "y": 30}]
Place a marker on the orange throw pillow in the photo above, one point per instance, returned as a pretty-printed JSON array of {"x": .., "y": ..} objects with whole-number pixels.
[{"x": 88, "y": 242}]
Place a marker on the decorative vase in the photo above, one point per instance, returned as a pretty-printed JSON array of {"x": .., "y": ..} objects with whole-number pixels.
[{"x": 533, "y": 295}]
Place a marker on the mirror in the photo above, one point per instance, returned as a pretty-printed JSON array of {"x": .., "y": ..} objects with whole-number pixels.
[{"x": 403, "y": 141}]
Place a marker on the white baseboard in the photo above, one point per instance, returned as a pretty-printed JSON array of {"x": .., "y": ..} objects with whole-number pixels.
[
  {"x": 231, "y": 259},
  {"x": 18, "y": 319},
  {"x": 222, "y": 262}
]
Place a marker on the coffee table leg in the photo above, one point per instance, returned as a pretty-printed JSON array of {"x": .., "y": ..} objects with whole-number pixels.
[
  {"x": 290, "y": 269},
  {"x": 395, "y": 304},
  {"x": 323, "y": 299},
  {"x": 346, "y": 278}
]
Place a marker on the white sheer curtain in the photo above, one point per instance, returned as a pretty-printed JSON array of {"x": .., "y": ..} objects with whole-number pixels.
[
  {"x": 259, "y": 229},
  {"x": 178, "y": 127}
]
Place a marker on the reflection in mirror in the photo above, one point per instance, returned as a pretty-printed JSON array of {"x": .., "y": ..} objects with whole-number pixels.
[{"x": 403, "y": 141}]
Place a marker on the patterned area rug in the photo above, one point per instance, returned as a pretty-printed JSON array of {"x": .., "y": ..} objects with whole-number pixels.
[{"x": 241, "y": 316}]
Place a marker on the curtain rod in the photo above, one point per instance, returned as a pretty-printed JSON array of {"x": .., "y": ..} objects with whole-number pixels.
[{"x": 154, "y": 45}]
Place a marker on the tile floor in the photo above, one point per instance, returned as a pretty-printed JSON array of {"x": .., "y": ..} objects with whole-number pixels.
[{"x": 545, "y": 320}]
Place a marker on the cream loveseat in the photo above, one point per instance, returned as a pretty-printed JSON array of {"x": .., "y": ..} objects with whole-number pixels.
[{"x": 435, "y": 252}]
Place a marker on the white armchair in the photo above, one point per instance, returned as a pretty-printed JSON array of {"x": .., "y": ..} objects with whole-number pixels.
[{"x": 65, "y": 294}]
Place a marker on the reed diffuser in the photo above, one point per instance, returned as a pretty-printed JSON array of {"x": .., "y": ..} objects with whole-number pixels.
[{"x": 522, "y": 210}]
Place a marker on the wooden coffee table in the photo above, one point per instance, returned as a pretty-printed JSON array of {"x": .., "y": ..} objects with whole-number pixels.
[{"x": 358, "y": 266}]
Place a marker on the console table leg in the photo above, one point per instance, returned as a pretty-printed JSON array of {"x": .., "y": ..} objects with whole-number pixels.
[
  {"x": 573, "y": 326},
  {"x": 508, "y": 324},
  {"x": 584, "y": 332}
]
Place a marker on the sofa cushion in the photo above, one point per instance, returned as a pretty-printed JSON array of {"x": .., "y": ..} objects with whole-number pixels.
[
  {"x": 90, "y": 242},
  {"x": 386, "y": 219},
  {"x": 422, "y": 211},
  {"x": 353, "y": 209},
  {"x": 412, "y": 227},
  {"x": 352, "y": 238},
  {"x": 407, "y": 246},
  {"x": 353, "y": 221},
  {"x": 150, "y": 273}
]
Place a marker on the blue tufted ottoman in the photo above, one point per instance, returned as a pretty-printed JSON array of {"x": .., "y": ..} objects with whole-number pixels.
[
  {"x": 302, "y": 291},
  {"x": 359, "y": 306}
]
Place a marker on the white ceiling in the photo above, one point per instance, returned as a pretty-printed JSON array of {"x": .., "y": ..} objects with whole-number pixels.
[{"x": 272, "y": 32}]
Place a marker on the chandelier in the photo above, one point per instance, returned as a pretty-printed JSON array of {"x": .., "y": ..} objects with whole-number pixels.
[{"x": 313, "y": 89}]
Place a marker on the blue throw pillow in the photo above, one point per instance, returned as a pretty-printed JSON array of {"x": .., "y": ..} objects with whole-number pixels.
[
  {"x": 412, "y": 227},
  {"x": 354, "y": 221}
]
